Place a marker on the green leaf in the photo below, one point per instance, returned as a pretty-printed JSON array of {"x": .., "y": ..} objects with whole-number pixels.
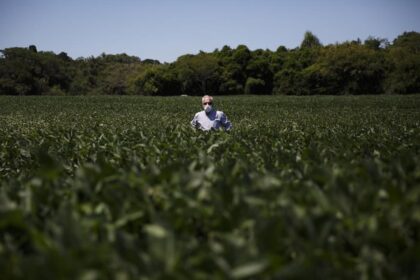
[
  {"x": 249, "y": 269},
  {"x": 156, "y": 231}
]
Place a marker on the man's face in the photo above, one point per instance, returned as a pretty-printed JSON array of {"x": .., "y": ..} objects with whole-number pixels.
[{"x": 206, "y": 101}]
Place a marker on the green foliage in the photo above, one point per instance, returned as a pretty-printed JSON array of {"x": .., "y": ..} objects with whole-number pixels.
[
  {"x": 310, "y": 41},
  {"x": 55, "y": 90},
  {"x": 290, "y": 79},
  {"x": 404, "y": 75},
  {"x": 409, "y": 41},
  {"x": 122, "y": 188},
  {"x": 199, "y": 74},
  {"x": 404, "y": 58},
  {"x": 118, "y": 58},
  {"x": 157, "y": 80},
  {"x": 289, "y": 82},
  {"x": 254, "y": 86},
  {"x": 241, "y": 55},
  {"x": 232, "y": 78},
  {"x": 374, "y": 67},
  {"x": 28, "y": 72},
  {"x": 119, "y": 79},
  {"x": 376, "y": 43},
  {"x": 347, "y": 69}
]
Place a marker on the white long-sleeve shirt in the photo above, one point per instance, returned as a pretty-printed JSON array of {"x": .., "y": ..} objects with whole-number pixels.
[{"x": 213, "y": 120}]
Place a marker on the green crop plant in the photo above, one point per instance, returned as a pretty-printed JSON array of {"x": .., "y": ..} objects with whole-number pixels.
[{"x": 123, "y": 188}]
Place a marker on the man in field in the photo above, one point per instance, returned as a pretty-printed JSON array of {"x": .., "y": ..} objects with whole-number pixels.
[{"x": 210, "y": 118}]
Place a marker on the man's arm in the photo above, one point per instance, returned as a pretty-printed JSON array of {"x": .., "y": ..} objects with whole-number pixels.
[
  {"x": 194, "y": 122},
  {"x": 225, "y": 122}
]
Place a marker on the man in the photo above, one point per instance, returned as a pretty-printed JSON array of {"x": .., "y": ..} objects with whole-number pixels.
[{"x": 210, "y": 118}]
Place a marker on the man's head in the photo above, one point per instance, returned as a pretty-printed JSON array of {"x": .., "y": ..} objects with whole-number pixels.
[{"x": 207, "y": 102}]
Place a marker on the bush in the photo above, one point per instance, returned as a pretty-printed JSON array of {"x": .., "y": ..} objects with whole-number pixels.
[{"x": 254, "y": 86}]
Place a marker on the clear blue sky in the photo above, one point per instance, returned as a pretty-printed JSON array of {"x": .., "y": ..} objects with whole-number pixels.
[{"x": 164, "y": 29}]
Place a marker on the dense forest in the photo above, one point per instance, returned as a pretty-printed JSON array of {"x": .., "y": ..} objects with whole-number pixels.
[{"x": 374, "y": 66}]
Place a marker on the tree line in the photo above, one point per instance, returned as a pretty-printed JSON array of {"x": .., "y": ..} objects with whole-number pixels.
[{"x": 374, "y": 66}]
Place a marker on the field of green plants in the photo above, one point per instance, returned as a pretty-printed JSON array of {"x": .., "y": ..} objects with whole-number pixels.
[{"x": 123, "y": 188}]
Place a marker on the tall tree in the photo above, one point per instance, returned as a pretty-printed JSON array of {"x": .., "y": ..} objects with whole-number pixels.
[
  {"x": 376, "y": 43},
  {"x": 199, "y": 74},
  {"x": 310, "y": 41},
  {"x": 404, "y": 61},
  {"x": 157, "y": 80}
]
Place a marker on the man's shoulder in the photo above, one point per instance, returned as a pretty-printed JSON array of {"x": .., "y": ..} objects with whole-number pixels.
[
  {"x": 201, "y": 113},
  {"x": 220, "y": 113}
]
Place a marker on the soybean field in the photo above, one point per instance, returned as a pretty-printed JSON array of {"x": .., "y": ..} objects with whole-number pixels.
[{"x": 108, "y": 187}]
